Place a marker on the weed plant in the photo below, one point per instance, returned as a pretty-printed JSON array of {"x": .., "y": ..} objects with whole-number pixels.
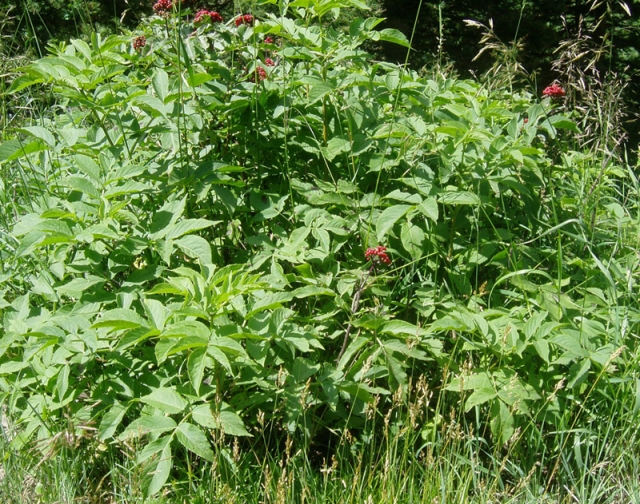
[{"x": 244, "y": 262}]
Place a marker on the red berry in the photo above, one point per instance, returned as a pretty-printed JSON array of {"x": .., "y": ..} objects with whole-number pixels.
[
  {"x": 377, "y": 254},
  {"x": 162, "y": 6},
  {"x": 554, "y": 91},
  {"x": 244, "y": 19},
  {"x": 139, "y": 42}
]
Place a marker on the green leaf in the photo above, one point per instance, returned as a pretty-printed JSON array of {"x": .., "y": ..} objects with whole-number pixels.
[
  {"x": 542, "y": 347},
  {"x": 429, "y": 208},
  {"x": 392, "y": 80},
  {"x": 335, "y": 147},
  {"x": 135, "y": 336},
  {"x": 269, "y": 301},
  {"x": 303, "y": 369},
  {"x": 187, "y": 343},
  {"x": 62, "y": 382},
  {"x": 40, "y": 133},
  {"x": 202, "y": 415},
  {"x": 22, "y": 82},
  {"x": 394, "y": 36},
  {"x": 154, "y": 448},
  {"x": 396, "y": 369},
  {"x": 12, "y": 367},
  {"x": 83, "y": 48},
  {"x": 160, "y": 83},
  {"x": 470, "y": 382},
  {"x": 388, "y": 218},
  {"x": 459, "y": 198},
  {"x": 161, "y": 471},
  {"x": 29, "y": 242},
  {"x": 193, "y": 439},
  {"x": 13, "y": 149},
  {"x": 562, "y": 122},
  {"x": 187, "y": 226},
  {"x": 312, "y": 290},
  {"x": 79, "y": 285},
  {"x": 578, "y": 372},
  {"x": 220, "y": 357},
  {"x": 167, "y": 400},
  {"x": 186, "y": 328},
  {"x": 412, "y": 238},
  {"x": 533, "y": 324},
  {"x": 195, "y": 247},
  {"x": 196, "y": 365},
  {"x": 478, "y": 397},
  {"x": 87, "y": 166},
  {"x": 9, "y": 148},
  {"x": 111, "y": 420},
  {"x": 148, "y": 424},
  {"x": 198, "y": 79},
  {"x": 353, "y": 347},
  {"x": 570, "y": 343},
  {"x": 232, "y": 424},
  {"x": 400, "y": 327},
  {"x": 502, "y": 422},
  {"x": 119, "y": 318},
  {"x": 318, "y": 91}
]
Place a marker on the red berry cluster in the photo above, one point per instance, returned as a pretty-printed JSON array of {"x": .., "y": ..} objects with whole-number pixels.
[
  {"x": 162, "y": 6},
  {"x": 269, "y": 62},
  {"x": 554, "y": 91},
  {"x": 213, "y": 16},
  {"x": 268, "y": 40},
  {"x": 244, "y": 19},
  {"x": 139, "y": 42},
  {"x": 262, "y": 74},
  {"x": 377, "y": 255}
]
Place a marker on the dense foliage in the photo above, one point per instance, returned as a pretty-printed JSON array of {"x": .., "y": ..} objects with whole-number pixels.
[{"x": 236, "y": 226}]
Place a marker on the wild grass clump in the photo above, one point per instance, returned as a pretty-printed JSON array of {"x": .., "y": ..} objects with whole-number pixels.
[{"x": 246, "y": 263}]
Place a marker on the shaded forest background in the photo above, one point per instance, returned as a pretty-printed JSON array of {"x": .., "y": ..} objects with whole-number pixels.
[{"x": 532, "y": 31}]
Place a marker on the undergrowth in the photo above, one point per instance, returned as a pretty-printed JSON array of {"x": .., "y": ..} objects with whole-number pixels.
[{"x": 244, "y": 262}]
